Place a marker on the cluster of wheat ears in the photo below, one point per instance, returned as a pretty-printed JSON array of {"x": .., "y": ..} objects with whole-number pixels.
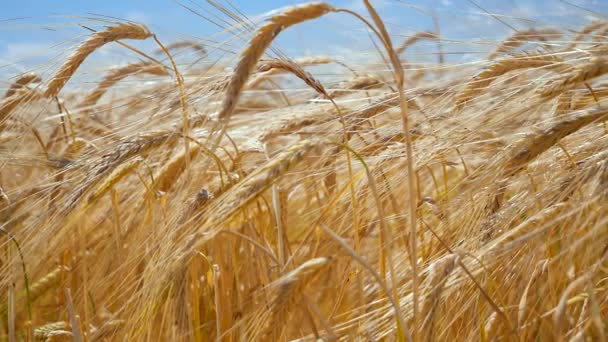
[{"x": 444, "y": 202}]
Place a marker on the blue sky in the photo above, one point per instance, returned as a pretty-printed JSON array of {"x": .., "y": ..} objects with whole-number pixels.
[{"x": 38, "y": 34}]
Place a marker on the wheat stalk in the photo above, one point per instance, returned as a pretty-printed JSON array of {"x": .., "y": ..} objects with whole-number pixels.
[
  {"x": 97, "y": 40},
  {"x": 589, "y": 100},
  {"x": 119, "y": 74}
]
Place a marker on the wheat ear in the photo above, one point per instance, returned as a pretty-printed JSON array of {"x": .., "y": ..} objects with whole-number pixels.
[
  {"x": 260, "y": 180},
  {"x": 173, "y": 169},
  {"x": 591, "y": 27},
  {"x": 414, "y": 39},
  {"x": 582, "y": 73},
  {"x": 48, "y": 331},
  {"x": 260, "y": 42},
  {"x": 482, "y": 80},
  {"x": 21, "y": 82},
  {"x": 299, "y": 72},
  {"x": 184, "y": 44},
  {"x": 97, "y": 40},
  {"x": 521, "y": 37},
  {"x": 363, "y": 82},
  {"x": 119, "y": 74},
  {"x": 548, "y": 137},
  {"x": 113, "y": 178},
  {"x": 250, "y": 56},
  {"x": 289, "y": 286},
  {"x": 439, "y": 272},
  {"x": 132, "y": 147},
  {"x": 8, "y": 104}
]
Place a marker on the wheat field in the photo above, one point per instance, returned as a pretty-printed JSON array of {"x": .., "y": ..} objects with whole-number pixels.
[{"x": 251, "y": 199}]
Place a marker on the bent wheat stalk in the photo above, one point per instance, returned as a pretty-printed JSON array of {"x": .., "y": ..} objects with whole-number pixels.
[
  {"x": 412, "y": 194},
  {"x": 97, "y": 40},
  {"x": 250, "y": 56}
]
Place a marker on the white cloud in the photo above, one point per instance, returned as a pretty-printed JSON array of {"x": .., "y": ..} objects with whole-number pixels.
[{"x": 25, "y": 51}]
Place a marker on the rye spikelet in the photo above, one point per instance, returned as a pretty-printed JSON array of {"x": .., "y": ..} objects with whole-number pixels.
[
  {"x": 260, "y": 42},
  {"x": 119, "y": 74},
  {"x": 582, "y": 73},
  {"x": 480, "y": 82},
  {"x": 414, "y": 39},
  {"x": 97, "y": 40},
  {"x": 21, "y": 82},
  {"x": 521, "y": 37}
]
